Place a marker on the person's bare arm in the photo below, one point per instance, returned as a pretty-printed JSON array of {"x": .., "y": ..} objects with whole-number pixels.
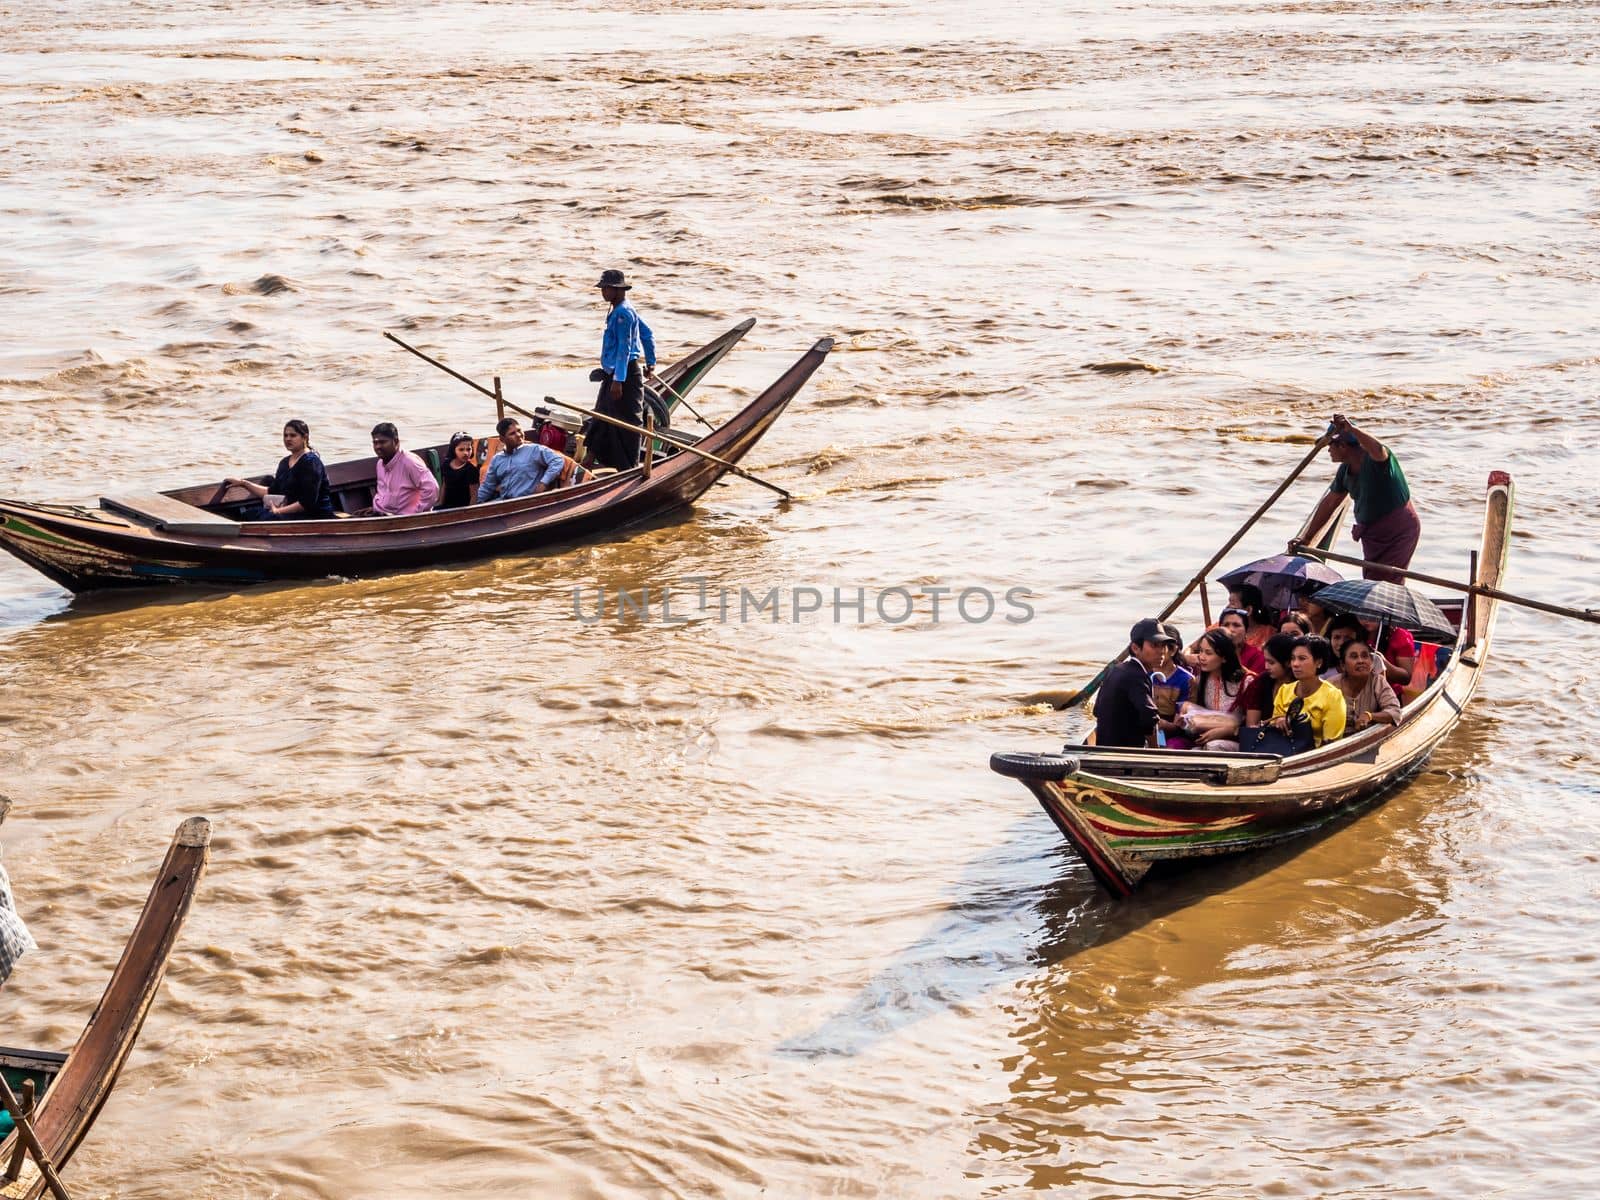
[
  {"x": 1370, "y": 446},
  {"x": 255, "y": 489}
]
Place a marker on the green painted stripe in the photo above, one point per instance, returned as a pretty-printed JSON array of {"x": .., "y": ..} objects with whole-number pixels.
[{"x": 39, "y": 535}]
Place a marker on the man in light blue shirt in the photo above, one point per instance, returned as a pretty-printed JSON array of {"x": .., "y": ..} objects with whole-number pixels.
[
  {"x": 626, "y": 343},
  {"x": 524, "y": 468}
]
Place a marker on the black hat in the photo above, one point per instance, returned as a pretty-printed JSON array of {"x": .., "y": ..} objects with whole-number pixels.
[
  {"x": 1147, "y": 630},
  {"x": 613, "y": 278}
]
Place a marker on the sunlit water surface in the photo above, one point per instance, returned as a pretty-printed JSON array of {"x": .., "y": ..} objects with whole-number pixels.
[{"x": 503, "y": 903}]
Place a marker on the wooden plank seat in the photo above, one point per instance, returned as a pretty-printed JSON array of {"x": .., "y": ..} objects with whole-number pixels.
[
  {"x": 1134, "y": 762},
  {"x": 168, "y": 514}
]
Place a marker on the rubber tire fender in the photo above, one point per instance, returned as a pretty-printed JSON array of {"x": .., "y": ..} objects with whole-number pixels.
[{"x": 1038, "y": 767}]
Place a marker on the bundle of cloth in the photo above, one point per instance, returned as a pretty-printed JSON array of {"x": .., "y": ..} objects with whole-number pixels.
[{"x": 15, "y": 941}]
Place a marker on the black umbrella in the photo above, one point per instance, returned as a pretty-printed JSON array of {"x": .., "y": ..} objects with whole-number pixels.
[
  {"x": 1390, "y": 602},
  {"x": 1282, "y": 577}
]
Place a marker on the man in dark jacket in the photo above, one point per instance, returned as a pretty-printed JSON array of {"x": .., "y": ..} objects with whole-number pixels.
[{"x": 1125, "y": 709}]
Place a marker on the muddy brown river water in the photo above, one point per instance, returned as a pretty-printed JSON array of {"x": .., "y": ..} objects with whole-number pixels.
[{"x": 504, "y": 903}]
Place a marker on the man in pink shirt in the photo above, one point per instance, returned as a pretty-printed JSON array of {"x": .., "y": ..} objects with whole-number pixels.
[{"x": 405, "y": 485}]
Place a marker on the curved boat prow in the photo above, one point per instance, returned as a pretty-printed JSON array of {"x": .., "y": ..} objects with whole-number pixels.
[
  {"x": 685, "y": 375},
  {"x": 90, "y": 1071}
]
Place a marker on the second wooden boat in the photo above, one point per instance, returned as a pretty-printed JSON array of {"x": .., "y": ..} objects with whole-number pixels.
[
  {"x": 1126, "y": 810},
  {"x": 74, "y": 1086},
  {"x": 196, "y": 534}
]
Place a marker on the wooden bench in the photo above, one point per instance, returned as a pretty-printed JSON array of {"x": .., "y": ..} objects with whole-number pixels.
[{"x": 167, "y": 514}]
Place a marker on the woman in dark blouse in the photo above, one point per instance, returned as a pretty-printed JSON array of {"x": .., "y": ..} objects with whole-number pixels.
[
  {"x": 300, "y": 486},
  {"x": 460, "y": 474}
]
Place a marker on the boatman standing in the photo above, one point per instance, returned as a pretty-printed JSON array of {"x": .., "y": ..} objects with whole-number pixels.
[
  {"x": 627, "y": 345},
  {"x": 1387, "y": 525}
]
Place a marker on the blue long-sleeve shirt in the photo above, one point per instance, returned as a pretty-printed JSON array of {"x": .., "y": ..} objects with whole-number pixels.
[
  {"x": 627, "y": 337},
  {"x": 517, "y": 473}
]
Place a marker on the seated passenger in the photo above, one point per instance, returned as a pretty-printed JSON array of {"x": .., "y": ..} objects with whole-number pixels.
[
  {"x": 1341, "y": 629},
  {"x": 460, "y": 474},
  {"x": 1319, "y": 700},
  {"x": 299, "y": 490},
  {"x": 1260, "y": 694},
  {"x": 1295, "y": 624},
  {"x": 1314, "y": 612},
  {"x": 405, "y": 485},
  {"x": 1399, "y": 652},
  {"x": 1171, "y": 681},
  {"x": 524, "y": 468},
  {"x": 1235, "y": 622},
  {"x": 1217, "y": 709},
  {"x": 1368, "y": 697},
  {"x": 1125, "y": 710},
  {"x": 1259, "y": 626}
]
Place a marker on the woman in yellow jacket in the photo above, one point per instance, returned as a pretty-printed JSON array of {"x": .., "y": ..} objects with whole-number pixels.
[{"x": 1321, "y": 702}]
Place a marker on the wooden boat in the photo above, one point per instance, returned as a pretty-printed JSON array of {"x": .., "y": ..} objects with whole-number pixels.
[
  {"x": 1126, "y": 810},
  {"x": 74, "y": 1086},
  {"x": 196, "y": 535}
]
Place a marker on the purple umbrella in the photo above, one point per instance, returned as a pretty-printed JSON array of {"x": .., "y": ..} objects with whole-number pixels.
[{"x": 1282, "y": 577}]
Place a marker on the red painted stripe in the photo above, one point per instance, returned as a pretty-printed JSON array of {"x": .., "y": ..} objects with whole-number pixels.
[{"x": 1110, "y": 878}]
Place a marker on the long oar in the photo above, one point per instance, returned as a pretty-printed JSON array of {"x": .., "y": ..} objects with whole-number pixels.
[
  {"x": 1203, "y": 572},
  {"x": 681, "y": 399},
  {"x": 1476, "y": 589},
  {"x": 27, "y": 1137},
  {"x": 599, "y": 416}
]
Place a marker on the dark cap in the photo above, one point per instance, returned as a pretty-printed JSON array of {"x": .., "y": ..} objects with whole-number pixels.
[
  {"x": 614, "y": 279},
  {"x": 1147, "y": 630}
]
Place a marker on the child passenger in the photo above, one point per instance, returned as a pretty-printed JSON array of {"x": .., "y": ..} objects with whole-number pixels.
[{"x": 460, "y": 474}]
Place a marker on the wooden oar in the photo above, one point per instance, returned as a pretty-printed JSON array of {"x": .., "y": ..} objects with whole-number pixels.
[
  {"x": 681, "y": 399},
  {"x": 599, "y": 416},
  {"x": 27, "y": 1137},
  {"x": 1200, "y": 575},
  {"x": 1475, "y": 589}
]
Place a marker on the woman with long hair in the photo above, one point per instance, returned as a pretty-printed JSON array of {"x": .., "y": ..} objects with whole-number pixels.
[
  {"x": 1216, "y": 709},
  {"x": 459, "y": 475},
  {"x": 1258, "y": 704},
  {"x": 1259, "y": 625},
  {"x": 1235, "y": 622},
  {"x": 299, "y": 490}
]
